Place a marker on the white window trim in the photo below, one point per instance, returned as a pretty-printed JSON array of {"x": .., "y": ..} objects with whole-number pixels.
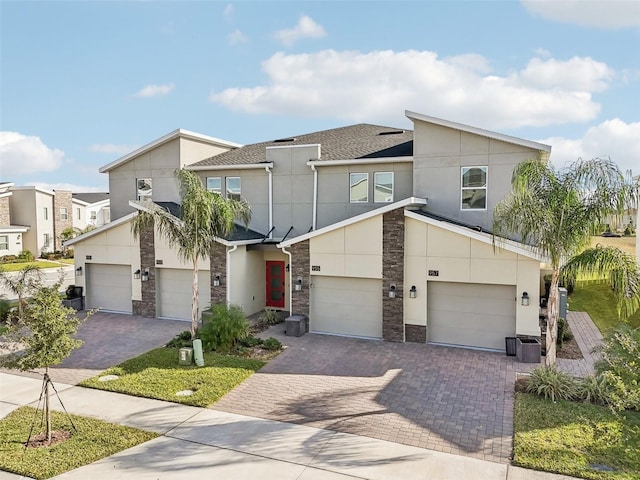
[
  {"x": 366, "y": 200},
  {"x": 211, "y": 189},
  {"x": 485, "y": 188},
  {"x": 146, "y": 196},
  {"x": 64, "y": 214},
  {"x": 3, "y": 242},
  {"x": 226, "y": 186},
  {"x": 393, "y": 187}
]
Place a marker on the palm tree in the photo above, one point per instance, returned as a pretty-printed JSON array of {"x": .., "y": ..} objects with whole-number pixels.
[
  {"x": 554, "y": 211},
  {"x": 21, "y": 283},
  {"x": 204, "y": 216}
]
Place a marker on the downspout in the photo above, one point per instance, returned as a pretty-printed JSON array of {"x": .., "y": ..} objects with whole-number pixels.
[
  {"x": 229, "y": 252},
  {"x": 290, "y": 270},
  {"x": 270, "y": 173},
  {"x": 315, "y": 197}
]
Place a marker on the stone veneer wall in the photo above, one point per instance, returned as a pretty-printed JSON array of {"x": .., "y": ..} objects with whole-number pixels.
[
  {"x": 219, "y": 267},
  {"x": 393, "y": 274},
  {"x": 5, "y": 217},
  {"x": 147, "y": 306},
  {"x": 415, "y": 333},
  {"x": 300, "y": 268},
  {"x": 61, "y": 199}
]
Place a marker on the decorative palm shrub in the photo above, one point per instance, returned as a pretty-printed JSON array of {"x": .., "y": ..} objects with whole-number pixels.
[
  {"x": 227, "y": 327},
  {"x": 549, "y": 382}
]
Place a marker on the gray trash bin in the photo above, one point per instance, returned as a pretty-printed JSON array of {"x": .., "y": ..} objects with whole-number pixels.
[{"x": 296, "y": 326}]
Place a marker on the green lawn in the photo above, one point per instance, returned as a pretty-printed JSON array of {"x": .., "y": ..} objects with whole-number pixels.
[
  {"x": 93, "y": 440},
  {"x": 598, "y": 301},
  {"x": 570, "y": 438},
  {"x": 156, "y": 374},
  {"x": 14, "y": 267}
]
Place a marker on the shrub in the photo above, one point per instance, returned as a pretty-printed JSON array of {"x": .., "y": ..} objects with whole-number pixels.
[
  {"x": 25, "y": 256},
  {"x": 595, "y": 389},
  {"x": 549, "y": 382},
  {"x": 272, "y": 343},
  {"x": 9, "y": 259},
  {"x": 270, "y": 317},
  {"x": 564, "y": 332},
  {"x": 619, "y": 364},
  {"x": 183, "y": 339},
  {"x": 251, "y": 341},
  {"x": 227, "y": 327},
  {"x": 68, "y": 253},
  {"x": 5, "y": 308}
]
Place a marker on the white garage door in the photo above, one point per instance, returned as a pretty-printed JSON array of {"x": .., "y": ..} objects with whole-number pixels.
[
  {"x": 346, "y": 306},
  {"x": 472, "y": 315},
  {"x": 174, "y": 292},
  {"x": 108, "y": 287}
]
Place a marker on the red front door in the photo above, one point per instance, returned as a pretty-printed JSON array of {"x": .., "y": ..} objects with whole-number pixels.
[{"x": 275, "y": 284}]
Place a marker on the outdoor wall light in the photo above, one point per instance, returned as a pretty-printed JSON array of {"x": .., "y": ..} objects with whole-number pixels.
[
  {"x": 145, "y": 275},
  {"x": 287, "y": 268},
  {"x": 413, "y": 292},
  {"x": 525, "y": 299},
  {"x": 299, "y": 284},
  {"x": 136, "y": 274},
  {"x": 392, "y": 291},
  {"x": 79, "y": 272},
  {"x": 216, "y": 281}
]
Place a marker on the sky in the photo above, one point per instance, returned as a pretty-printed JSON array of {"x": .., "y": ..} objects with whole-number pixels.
[{"x": 83, "y": 83}]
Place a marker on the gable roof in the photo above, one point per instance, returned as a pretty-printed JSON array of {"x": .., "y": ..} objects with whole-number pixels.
[
  {"x": 478, "y": 131},
  {"x": 362, "y": 141},
  {"x": 91, "y": 197},
  {"x": 179, "y": 133}
]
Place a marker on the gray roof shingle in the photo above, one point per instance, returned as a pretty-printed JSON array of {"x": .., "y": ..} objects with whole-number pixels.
[{"x": 360, "y": 141}]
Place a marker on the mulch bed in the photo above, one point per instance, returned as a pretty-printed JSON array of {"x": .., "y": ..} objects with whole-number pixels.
[
  {"x": 40, "y": 440},
  {"x": 570, "y": 350}
]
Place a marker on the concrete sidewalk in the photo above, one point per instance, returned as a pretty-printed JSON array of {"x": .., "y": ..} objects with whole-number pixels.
[{"x": 229, "y": 446}]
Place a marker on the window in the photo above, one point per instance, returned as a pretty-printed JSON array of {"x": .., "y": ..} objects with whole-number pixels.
[
  {"x": 474, "y": 188},
  {"x": 383, "y": 187},
  {"x": 144, "y": 188},
  {"x": 93, "y": 215},
  {"x": 63, "y": 213},
  {"x": 214, "y": 184},
  {"x": 359, "y": 187},
  {"x": 4, "y": 242},
  {"x": 46, "y": 213},
  {"x": 233, "y": 187},
  {"x": 78, "y": 216},
  {"x": 46, "y": 240}
]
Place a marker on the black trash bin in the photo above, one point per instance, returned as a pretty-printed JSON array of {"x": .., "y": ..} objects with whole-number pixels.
[{"x": 510, "y": 346}]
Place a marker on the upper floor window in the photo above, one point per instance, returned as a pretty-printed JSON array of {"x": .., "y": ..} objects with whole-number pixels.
[
  {"x": 233, "y": 187},
  {"x": 45, "y": 213},
  {"x": 143, "y": 188},
  {"x": 474, "y": 188},
  {"x": 93, "y": 215},
  {"x": 78, "y": 215},
  {"x": 63, "y": 213},
  {"x": 4, "y": 242},
  {"x": 214, "y": 184},
  {"x": 383, "y": 187},
  {"x": 359, "y": 187}
]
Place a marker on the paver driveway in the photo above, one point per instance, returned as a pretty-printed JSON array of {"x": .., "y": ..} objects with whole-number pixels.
[
  {"x": 109, "y": 339},
  {"x": 446, "y": 399}
]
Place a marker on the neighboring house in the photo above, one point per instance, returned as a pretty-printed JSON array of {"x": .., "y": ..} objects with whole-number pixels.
[
  {"x": 11, "y": 235},
  {"x": 90, "y": 209},
  {"x": 370, "y": 231}
]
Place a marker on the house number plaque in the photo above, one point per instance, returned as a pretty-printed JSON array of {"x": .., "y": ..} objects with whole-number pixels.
[
  {"x": 315, "y": 268},
  {"x": 434, "y": 273}
]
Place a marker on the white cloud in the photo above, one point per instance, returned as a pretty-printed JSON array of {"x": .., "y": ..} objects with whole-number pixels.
[
  {"x": 237, "y": 37},
  {"x": 378, "y": 86},
  {"x": 111, "y": 148},
  {"x": 73, "y": 187},
  {"x": 228, "y": 11},
  {"x": 154, "y": 90},
  {"x": 614, "y": 138},
  {"x": 605, "y": 14},
  {"x": 305, "y": 28},
  {"x": 22, "y": 154}
]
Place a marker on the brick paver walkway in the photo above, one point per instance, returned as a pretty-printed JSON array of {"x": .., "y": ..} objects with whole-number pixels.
[
  {"x": 441, "y": 398},
  {"x": 111, "y": 338}
]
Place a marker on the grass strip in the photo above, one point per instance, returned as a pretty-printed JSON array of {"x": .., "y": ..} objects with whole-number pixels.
[
  {"x": 598, "y": 301},
  {"x": 93, "y": 440},
  {"x": 156, "y": 374},
  {"x": 571, "y": 438}
]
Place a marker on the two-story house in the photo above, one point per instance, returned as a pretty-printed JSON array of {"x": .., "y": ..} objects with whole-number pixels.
[
  {"x": 90, "y": 209},
  {"x": 11, "y": 235},
  {"x": 370, "y": 231}
]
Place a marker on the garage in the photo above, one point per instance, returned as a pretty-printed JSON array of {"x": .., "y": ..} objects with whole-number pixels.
[
  {"x": 108, "y": 287},
  {"x": 471, "y": 315},
  {"x": 174, "y": 292},
  {"x": 346, "y": 306}
]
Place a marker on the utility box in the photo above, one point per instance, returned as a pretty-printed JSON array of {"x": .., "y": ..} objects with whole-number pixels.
[
  {"x": 562, "y": 303},
  {"x": 296, "y": 326},
  {"x": 185, "y": 356}
]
